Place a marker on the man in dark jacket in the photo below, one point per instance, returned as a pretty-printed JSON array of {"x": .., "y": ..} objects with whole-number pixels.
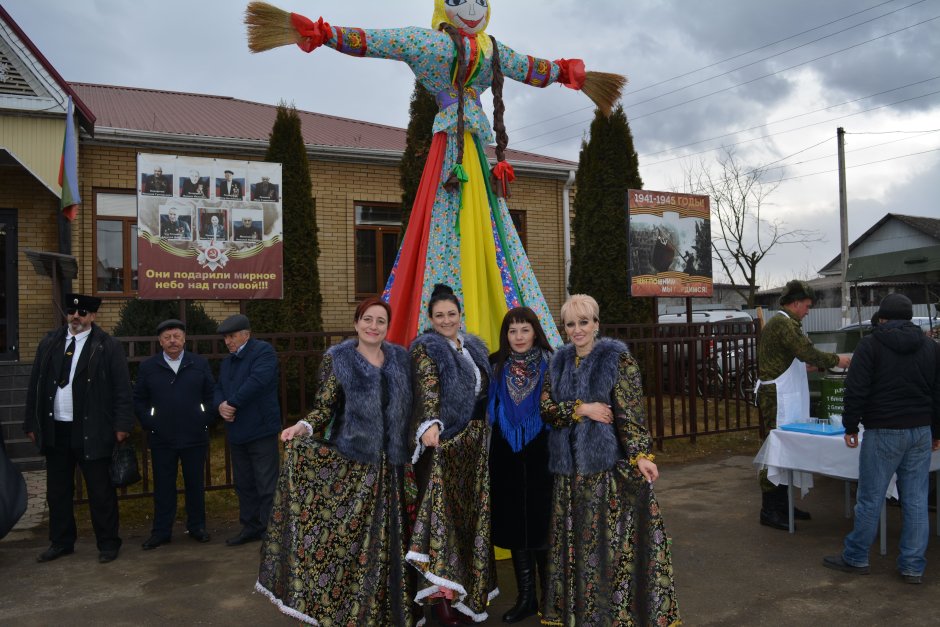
[
  {"x": 893, "y": 388},
  {"x": 246, "y": 398},
  {"x": 78, "y": 406},
  {"x": 173, "y": 399}
]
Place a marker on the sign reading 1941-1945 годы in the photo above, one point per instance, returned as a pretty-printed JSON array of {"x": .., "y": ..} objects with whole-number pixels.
[
  {"x": 208, "y": 228},
  {"x": 670, "y": 244}
]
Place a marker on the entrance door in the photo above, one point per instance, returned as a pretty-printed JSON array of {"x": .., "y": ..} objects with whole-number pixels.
[{"x": 9, "y": 327}]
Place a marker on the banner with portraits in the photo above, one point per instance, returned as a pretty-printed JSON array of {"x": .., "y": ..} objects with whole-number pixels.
[
  {"x": 208, "y": 228},
  {"x": 670, "y": 244}
]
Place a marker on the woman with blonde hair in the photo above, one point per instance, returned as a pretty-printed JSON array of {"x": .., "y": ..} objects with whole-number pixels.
[{"x": 609, "y": 559}]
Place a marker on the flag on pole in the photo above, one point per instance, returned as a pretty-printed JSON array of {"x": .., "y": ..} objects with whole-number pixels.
[{"x": 68, "y": 169}]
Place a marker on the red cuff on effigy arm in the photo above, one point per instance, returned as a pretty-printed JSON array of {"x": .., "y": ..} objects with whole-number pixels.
[
  {"x": 571, "y": 73},
  {"x": 314, "y": 34}
]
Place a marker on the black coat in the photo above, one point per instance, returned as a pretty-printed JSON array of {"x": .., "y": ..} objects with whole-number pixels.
[
  {"x": 894, "y": 380},
  {"x": 101, "y": 393},
  {"x": 175, "y": 408}
]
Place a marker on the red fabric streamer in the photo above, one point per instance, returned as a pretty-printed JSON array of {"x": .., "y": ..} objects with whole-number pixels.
[
  {"x": 572, "y": 73},
  {"x": 405, "y": 295},
  {"x": 314, "y": 34},
  {"x": 503, "y": 174}
]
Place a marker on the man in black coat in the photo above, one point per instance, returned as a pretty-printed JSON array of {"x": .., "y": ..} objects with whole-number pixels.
[
  {"x": 173, "y": 401},
  {"x": 78, "y": 406},
  {"x": 893, "y": 389}
]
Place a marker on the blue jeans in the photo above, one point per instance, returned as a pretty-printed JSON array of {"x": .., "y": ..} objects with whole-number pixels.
[{"x": 884, "y": 453}]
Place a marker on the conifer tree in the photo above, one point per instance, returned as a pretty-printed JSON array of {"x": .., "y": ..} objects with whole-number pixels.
[
  {"x": 421, "y": 120},
  {"x": 301, "y": 307},
  {"x": 608, "y": 166}
]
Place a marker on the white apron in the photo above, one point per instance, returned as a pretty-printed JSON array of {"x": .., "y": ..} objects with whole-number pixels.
[{"x": 792, "y": 392}]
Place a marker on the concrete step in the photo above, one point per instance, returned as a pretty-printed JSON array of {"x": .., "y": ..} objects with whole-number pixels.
[{"x": 37, "y": 462}]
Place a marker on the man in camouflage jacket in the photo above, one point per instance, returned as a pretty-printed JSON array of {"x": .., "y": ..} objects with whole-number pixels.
[{"x": 781, "y": 341}]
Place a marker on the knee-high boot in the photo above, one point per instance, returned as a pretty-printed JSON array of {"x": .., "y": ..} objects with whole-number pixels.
[{"x": 523, "y": 563}]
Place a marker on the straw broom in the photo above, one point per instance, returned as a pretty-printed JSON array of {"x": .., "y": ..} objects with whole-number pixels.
[{"x": 270, "y": 27}]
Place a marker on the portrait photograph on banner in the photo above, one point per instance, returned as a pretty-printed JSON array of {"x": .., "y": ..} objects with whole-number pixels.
[
  {"x": 670, "y": 246},
  {"x": 203, "y": 233}
]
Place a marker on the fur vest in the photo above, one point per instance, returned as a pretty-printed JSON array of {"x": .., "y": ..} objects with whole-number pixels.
[
  {"x": 586, "y": 447},
  {"x": 457, "y": 379},
  {"x": 363, "y": 428}
]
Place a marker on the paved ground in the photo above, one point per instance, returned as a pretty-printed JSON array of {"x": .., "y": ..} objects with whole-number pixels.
[{"x": 729, "y": 570}]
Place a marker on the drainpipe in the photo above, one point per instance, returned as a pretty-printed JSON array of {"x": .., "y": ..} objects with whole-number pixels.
[{"x": 566, "y": 225}]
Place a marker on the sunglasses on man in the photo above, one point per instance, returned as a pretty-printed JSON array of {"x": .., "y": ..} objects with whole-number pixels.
[{"x": 74, "y": 310}]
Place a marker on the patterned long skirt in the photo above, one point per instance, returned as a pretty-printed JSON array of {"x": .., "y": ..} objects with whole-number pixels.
[
  {"x": 609, "y": 558},
  {"x": 335, "y": 546},
  {"x": 450, "y": 545}
]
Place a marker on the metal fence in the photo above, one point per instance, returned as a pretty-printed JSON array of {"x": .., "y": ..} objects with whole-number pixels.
[
  {"x": 830, "y": 318},
  {"x": 698, "y": 380}
]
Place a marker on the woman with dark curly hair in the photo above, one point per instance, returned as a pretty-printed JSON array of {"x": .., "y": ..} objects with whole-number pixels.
[{"x": 450, "y": 545}]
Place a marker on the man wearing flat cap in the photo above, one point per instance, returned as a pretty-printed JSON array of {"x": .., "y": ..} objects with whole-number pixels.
[
  {"x": 173, "y": 399},
  {"x": 893, "y": 388},
  {"x": 229, "y": 188},
  {"x": 246, "y": 398},
  {"x": 783, "y": 354},
  {"x": 78, "y": 406}
]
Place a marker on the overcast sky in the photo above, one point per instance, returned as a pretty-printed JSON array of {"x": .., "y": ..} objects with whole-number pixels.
[{"x": 772, "y": 79}]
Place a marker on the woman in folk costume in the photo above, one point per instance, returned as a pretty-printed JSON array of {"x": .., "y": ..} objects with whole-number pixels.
[
  {"x": 520, "y": 483},
  {"x": 450, "y": 545},
  {"x": 460, "y": 232},
  {"x": 334, "y": 553},
  {"x": 609, "y": 560}
]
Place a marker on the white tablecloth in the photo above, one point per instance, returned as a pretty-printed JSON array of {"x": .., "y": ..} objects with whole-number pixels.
[{"x": 806, "y": 454}]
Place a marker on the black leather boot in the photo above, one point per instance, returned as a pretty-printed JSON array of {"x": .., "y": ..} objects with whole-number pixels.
[
  {"x": 771, "y": 514},
  {"x": 782, "y": 500},
  {"x": 523, "y": 563}
]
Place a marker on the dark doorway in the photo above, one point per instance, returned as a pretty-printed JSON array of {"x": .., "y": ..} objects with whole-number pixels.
[{"x": 9, "y": 321}]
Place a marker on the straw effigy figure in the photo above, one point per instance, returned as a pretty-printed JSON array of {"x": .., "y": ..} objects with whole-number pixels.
[{"x": 460, "y": 233}]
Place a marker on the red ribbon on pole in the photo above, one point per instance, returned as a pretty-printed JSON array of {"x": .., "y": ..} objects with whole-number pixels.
[{"x": 314, "y": 34}]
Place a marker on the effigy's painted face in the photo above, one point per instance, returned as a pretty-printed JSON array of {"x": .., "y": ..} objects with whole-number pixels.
[{"x": 470, "y": 16}]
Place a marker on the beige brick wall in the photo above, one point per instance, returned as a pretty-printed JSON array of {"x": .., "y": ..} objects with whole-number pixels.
[{"x": 337, "y": 187}]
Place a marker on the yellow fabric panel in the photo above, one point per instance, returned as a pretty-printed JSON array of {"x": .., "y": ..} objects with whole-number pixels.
[{"x": 483, "y": 298}]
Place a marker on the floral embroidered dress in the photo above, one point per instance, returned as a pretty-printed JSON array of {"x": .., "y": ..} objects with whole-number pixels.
[
  {"x": 606, "y": 526},
  {"x": 334, "y": 553},
  {"x": 450, "y": 545},
  {"x": 463, "y": 238}
]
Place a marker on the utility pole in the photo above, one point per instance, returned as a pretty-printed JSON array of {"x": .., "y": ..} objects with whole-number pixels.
[{"x": 844, "y": 228}]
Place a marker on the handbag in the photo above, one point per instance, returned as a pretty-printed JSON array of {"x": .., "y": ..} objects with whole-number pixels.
[{"x": 124, "y": 468}]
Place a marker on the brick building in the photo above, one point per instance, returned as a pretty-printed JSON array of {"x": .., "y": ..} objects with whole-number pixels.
[{"x": 353, "y": 164}]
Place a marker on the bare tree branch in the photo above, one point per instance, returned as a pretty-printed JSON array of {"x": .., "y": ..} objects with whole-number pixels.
[{"x": 742, "y": 236}]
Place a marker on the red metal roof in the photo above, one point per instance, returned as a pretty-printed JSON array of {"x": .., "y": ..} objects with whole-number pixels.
[{"x": 205, "y": 115}]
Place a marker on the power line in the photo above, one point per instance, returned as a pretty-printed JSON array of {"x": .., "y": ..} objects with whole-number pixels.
[
  {"x": 799, "y": 128},
  {"x": 708, "y": 95},
  {"x": 792, "y": 117},
  {"x": 860, "y": 165},
  {"x": 854, "y": 150},
  {"x": 705, "y": 67}
]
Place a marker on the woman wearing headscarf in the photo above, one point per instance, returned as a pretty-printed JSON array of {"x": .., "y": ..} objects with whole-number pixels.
[
  {"x": 520, "y": 483},
  {"x": 450, "y": 545},
  {"x": 334, "y": 552},
  {"x": 609, "y": 559}
]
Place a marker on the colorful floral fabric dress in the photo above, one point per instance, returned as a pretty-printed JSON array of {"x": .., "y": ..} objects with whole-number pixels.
[
  {"x": 334, "y": 553},
  {"x": 464, "y": 239},
  {"x": 606, "y": 526},
  {"x": 450, "y": 545}
]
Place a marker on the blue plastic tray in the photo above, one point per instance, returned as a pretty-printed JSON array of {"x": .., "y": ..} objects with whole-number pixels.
[{"x": 813, "y": 428}]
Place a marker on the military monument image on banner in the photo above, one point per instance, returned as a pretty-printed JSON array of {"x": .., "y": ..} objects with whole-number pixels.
[{"x": 670, "y": 246}]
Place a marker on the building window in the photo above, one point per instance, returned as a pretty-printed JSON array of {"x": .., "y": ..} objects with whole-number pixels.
[
  {"x": 518, "y": 220},
  {"x": 378, "y": 228},
  {"x": 116, "y": 243}
]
